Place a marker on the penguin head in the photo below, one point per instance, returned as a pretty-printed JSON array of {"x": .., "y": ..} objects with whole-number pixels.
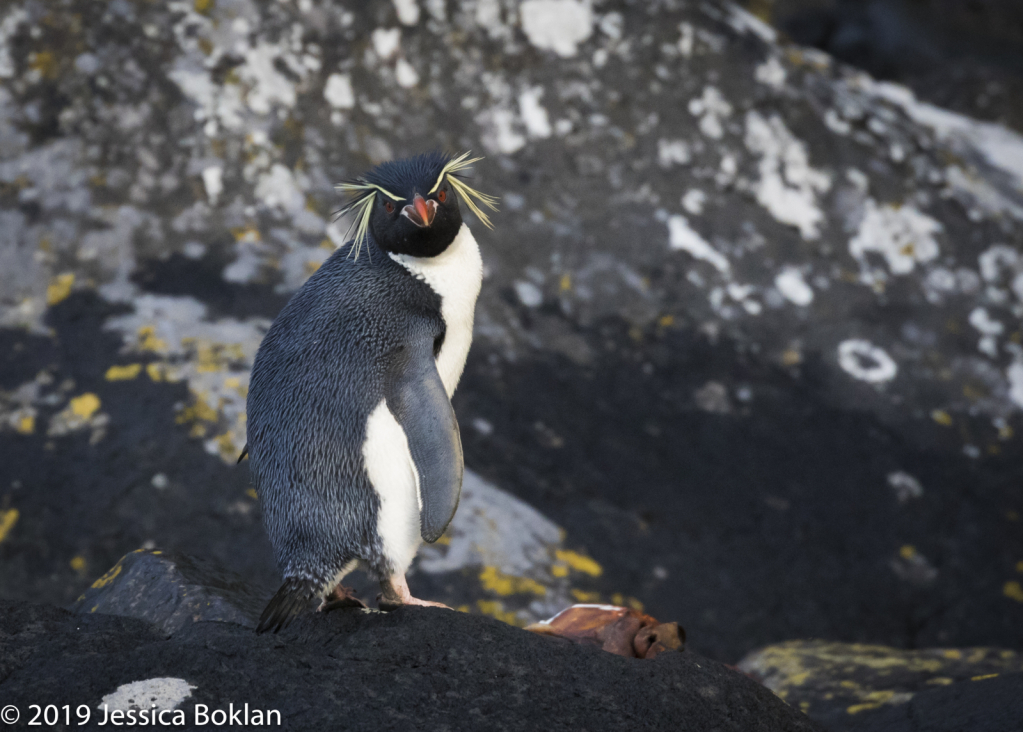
[{"x": 410, "y": 206}]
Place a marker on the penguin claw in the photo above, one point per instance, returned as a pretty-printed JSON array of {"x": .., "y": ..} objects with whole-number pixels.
[
  {"x": 342, "y": 597},
  {"x": 348, "y": 602}
]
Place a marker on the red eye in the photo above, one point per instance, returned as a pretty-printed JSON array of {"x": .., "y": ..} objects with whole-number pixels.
[
  {"x": 442, "y": 196},
  {"x": 388, "y": 207}
]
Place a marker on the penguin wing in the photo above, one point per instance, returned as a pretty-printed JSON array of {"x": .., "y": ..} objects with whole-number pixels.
[{"x": 417, "y": 399}]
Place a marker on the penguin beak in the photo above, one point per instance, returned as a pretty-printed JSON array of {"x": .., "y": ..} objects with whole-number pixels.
[{"x": 421, "y": 212}]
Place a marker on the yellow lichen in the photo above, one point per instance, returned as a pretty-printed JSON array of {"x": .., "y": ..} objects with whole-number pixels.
[
  {"x": 246, "y": 233},
  {"x": 45, "y": 62},
  {"x": 251, "y": 493},
  {"x": 107, "y": 578},
  {"x": 78, "y": 563},
  {"x": 583, "y": 596},
  {"x": 148, "y": 341},
  {"x": 624, "y": 601},
  {"x": 559, "y": 570},
  {"x": 26, "y": 424},
  {"x": 982, "y": 677},
  {"x": 8, "y": 519},
  {"x": 579, "y": 562},
  {"x": 942, "y": 417},
  {"x": 566, "y": 282},
  {"x": 495, "y": 609},
  {"x": 791, "y": 357},
  {"x": 494, "y": 580},
  {"x": 85, "y": 406},
  {"x": 199, "y": 410},
  {"x": 59, "y": 288},
  {"x": 123, "y": 373},
  {"x": 666, "y": 321},
  {"x": 873, "y": 700},
  {"x": 156, "y": 371},
  {"x": 1013, "y": 590}
]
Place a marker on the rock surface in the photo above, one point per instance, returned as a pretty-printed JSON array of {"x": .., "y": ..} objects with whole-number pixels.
[
  {"x": 748, "y": 346},
  {"x": 851, "y": 686},
  {"x": 170, "y": 591},
  {"x": 420, "y": 668}
]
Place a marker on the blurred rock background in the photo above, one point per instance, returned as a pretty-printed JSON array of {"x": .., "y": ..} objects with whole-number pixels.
[{"x": 748, "y": 352}]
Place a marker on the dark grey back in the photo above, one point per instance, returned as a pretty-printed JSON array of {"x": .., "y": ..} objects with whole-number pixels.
[{"x": 317, "y": 376}]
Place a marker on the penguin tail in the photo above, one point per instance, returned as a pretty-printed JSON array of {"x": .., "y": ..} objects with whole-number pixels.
[{"x": 291, "y": 599}]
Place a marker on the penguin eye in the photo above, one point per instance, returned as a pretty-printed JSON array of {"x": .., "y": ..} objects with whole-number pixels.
[
  {"x": 388, "y": 207},
  {"x": 442, "y": 195}
]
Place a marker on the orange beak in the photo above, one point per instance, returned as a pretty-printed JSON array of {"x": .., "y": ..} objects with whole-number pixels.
[{"x": 425, "y": 211}]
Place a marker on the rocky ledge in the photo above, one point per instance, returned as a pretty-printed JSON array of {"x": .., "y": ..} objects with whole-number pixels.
[{"x": 415, "y": 668}]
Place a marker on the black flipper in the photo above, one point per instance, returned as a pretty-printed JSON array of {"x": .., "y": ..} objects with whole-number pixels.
[
  {"x": 291, "y": 599},
  {"x": 245, "y": 451},
  {"x": 416, "y": 397}
]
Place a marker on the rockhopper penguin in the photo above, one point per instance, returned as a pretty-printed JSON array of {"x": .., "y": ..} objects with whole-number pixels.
[{"x": 353, "y": 445}]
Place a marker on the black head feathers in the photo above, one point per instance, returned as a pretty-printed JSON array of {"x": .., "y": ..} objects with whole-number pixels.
[{"x": 408, "y": 204}]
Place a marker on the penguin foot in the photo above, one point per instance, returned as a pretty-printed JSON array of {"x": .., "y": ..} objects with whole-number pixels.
[
  {"x": 395, "y": 593},
  {"x": 340, "y": 597}
]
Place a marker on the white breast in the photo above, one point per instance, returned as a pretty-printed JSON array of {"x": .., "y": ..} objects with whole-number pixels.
[
  {"x": 394, "y": 477},
  {"x": 455, "y": 275}
]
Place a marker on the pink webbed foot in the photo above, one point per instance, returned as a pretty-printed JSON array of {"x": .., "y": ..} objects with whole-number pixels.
[{"x": 395, "y": 593}]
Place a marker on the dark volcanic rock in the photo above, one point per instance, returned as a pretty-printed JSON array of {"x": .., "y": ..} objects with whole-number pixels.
[
  {"x": 854, "y": 686},
  {"x": 749, "y": 333},
  {"x": 171, "y": 590},
  {"x": 984, "y": 705},
  {"x": 412, "y": 669}
]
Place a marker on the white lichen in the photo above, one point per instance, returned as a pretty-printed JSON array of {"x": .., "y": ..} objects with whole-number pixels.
[
  {"x": 903, "y": 235},
  {"x": 534, "y": 115},
  {"x": 862, "y": 360},
  {"x": 160, "y": 693},
  {"x": 711, "y": 107},
  {"x": 793, "y": 287},
  {"x": 338, "y": 91},
  {"x": 682, "y": 237},
  {"x": 557, "y": 25},
  {"x": 788, "y": 186}
]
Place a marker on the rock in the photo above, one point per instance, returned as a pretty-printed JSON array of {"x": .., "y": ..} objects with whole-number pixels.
[
  {"x": 964, "y": 58},
  {"x": 619, "y": 630},
  {"x": 989, "y": 704},
  {"x": 853, "y": 686},
  {"x": 420, "y": 667},
  {"x": 171, "y": 591},
  {"x": 734, "y": 286}
]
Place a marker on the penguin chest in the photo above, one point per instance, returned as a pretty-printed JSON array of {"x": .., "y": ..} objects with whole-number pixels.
[{"x": 455, "y": 275}]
